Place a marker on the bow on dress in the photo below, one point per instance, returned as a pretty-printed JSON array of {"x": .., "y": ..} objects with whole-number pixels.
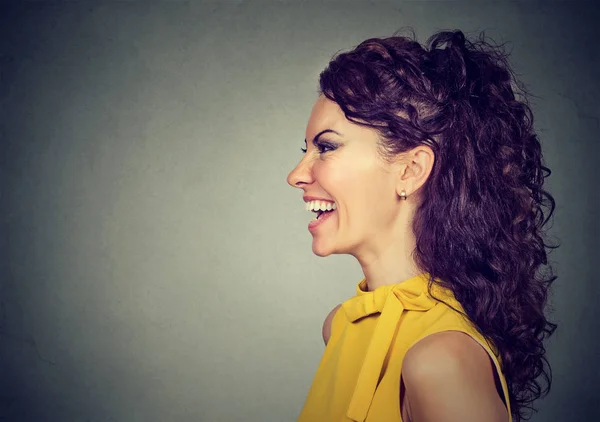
[{"x": 390, "y": 301}]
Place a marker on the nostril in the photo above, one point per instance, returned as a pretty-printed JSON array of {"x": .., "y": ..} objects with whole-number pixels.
[{"x": 293, "y": 180}]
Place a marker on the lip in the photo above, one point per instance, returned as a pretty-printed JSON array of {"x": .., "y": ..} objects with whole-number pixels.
[
  {"x": 314, "y": 198},
  {"x": 312, "y": 226}
]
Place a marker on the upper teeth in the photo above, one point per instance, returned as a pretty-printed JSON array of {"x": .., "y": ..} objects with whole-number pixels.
[{"x": 320, "y": 206}]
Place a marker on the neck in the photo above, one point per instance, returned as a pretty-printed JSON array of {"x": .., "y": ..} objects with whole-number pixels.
[{"x": 391, "y": 263}]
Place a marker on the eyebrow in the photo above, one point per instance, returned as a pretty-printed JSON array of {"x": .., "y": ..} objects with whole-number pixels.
[{"x": 316, "y": 138}]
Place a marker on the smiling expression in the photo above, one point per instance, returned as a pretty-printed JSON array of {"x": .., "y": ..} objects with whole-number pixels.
[{"x": 342, "y": 164}]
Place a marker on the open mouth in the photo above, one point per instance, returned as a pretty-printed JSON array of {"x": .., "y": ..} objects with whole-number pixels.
[
  {"x": 321, "y": 209},
  {"x": 320, "y": 213}
]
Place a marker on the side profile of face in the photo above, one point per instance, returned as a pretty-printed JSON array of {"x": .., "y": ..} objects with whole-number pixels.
[{"x": 342, "y": 165}]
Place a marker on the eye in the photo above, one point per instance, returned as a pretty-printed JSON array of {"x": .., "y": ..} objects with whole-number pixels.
[{"x": 324, "y": 147}]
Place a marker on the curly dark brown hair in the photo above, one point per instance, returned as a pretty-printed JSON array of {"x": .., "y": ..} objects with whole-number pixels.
[{"x": 478, "y": 225}]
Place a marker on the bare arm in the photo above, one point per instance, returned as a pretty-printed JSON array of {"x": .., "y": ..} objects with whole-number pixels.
[
  {"x": 327, "y": 324},
  {"x": 449, "y": 377}
]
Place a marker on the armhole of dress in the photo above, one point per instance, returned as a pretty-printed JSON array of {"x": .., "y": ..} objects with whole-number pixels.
[
  {"x": 498, "y": 372},
  {"x": 333, "y": 331}
]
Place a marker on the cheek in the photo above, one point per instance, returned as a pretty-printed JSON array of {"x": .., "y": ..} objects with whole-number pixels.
[
  {"x": 352, "y": 189},
  {"x": 337, "y": 178}
]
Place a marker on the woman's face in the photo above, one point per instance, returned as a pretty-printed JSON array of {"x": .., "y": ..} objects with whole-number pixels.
[{"x": 342, "y": 165}]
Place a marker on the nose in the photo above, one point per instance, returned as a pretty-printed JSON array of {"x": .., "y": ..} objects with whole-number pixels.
[{"x": 301, "y": 174}]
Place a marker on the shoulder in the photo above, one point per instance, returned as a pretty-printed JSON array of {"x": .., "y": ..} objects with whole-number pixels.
[
  {"x": 327, "y": 324},
  {"x": 449, "y": 377},
  {"x": 444, "y": 351}
]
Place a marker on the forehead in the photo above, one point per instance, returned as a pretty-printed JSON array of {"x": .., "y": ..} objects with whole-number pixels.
[{"x": 326, "y": 114}]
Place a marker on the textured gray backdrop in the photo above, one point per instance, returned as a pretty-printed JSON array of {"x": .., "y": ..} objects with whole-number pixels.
[{"x": 155, "y": 265}]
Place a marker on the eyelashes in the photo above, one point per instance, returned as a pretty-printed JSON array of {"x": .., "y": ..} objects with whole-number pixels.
[{"x": 323, "y": 147}]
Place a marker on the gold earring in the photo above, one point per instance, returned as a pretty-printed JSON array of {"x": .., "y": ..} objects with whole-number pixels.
[{"x": 403, "y": 194}]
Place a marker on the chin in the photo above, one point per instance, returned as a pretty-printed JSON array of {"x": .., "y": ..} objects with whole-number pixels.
[
  {"x": 321, "y": 250},
  {"x": 321, "y": 253}
]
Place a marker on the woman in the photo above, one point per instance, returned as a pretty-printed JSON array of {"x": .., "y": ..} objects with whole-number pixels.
[{"x": 422, "y": 163}]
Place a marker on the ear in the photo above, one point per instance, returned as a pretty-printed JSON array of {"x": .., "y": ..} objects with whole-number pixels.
[{"x": 415, "y": 169}]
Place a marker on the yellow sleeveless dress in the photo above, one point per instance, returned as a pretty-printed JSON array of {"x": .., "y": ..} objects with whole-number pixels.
[{"x": 358, "y": 378}]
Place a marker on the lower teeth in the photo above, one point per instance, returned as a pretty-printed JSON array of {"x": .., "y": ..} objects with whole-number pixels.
[{"x": 319, "y": 215}]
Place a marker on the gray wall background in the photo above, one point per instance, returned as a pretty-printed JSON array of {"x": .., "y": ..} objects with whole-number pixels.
[{"x": 156, "y": 266}]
